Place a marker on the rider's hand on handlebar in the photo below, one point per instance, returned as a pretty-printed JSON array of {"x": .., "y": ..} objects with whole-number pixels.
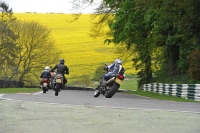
[{"x": 105, "y": 68}]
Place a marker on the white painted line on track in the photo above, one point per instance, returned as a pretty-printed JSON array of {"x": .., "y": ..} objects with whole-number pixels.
[
  {"x": 38, "y": 93},
  {"x": 24, "y": 93},
  {"x": 193, "y": 112}
]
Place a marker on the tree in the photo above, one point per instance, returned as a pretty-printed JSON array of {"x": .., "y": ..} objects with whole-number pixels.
[
  {"x": 8, "y": 48},
  {"x": 194, "y": 67},
  {"x": 37, "y": 50},
  {"x": 172, "y": 29}
]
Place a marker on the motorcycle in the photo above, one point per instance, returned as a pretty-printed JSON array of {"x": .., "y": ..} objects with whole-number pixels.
[
  {"x": 111, "y": 86},
  {"x": 45, "y": 84},
  {"x": 58, "y": 83}
]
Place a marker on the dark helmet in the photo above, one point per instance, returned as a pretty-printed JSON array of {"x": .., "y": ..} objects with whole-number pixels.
[{"x": 62, "y": 61}]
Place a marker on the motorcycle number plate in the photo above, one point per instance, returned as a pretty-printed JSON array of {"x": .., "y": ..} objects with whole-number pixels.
[
  {"x": 44, "y": 84},
  {"x": 58, "y": 80},
  {"x": 117, "y": 80}
]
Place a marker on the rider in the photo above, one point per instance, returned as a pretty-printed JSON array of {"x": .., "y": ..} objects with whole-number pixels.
[
  {"x": 61, "y": 69},
  {"x": 45, "y": 74},
  {"x": 113, "y": 69}
]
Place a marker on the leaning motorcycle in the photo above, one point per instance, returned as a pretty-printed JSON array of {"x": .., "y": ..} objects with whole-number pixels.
[
  {"x": 111, "y": 86},
  {"x": 58, "y": 83},
  {"x": 45, "y": 84}
]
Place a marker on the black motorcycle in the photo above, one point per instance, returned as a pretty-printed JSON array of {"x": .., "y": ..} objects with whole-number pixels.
[
  {"x": 111, "y": 86},
  {"x": 58, "y": 83}
]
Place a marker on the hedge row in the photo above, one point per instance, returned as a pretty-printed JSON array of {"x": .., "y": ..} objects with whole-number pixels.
[{"x": 11, "y": 84}]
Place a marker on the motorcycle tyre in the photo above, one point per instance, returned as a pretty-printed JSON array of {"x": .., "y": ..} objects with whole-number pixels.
[
  {"x": 57, "y": 87},
  {"x": 47, "y": 88},
  {"x": 112, "y": 91},
  {"x": 51, "y": 84},
  {"x": 97, "y": 93},
  {"x": 44, "y": 89}
]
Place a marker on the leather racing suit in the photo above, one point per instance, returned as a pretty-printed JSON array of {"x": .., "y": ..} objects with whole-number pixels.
[
  {"x": 45, "y": 74},
  {"x": 61, "y": 69}
]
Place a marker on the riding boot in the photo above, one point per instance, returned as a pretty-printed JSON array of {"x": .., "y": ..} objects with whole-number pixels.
[
  {"x": 103, "y": 82},
  {"x": 63, "y": 86}
]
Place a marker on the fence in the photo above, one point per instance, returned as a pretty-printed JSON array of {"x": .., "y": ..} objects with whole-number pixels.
[
  {"x": 187, "y": 91},
  {"x": 11, "y": 84}
]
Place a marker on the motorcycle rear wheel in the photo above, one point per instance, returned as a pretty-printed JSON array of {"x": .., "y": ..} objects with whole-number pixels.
[
  {"x": 112, "y": 90},
  {"x": 44, "y": 89},
  {"x": 57, "y": 87}
]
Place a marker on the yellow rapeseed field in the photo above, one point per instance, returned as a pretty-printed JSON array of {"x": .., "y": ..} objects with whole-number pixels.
[{"x": 81, "y": 53}]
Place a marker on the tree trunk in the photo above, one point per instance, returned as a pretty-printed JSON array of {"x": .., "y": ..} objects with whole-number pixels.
[{"x": 173, "y": 55}]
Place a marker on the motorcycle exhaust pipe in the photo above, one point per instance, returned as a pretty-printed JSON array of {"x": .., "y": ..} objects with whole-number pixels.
[{"x": 110, "y": 80}]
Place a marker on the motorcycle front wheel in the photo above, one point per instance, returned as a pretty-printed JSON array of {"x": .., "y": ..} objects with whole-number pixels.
[{"x": 97, "y": 91}]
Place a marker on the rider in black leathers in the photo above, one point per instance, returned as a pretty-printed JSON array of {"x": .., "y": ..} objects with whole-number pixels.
[{"x": 61, "y": 69}]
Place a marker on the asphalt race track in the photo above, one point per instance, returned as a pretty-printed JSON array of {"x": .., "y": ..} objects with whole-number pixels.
[{"x": 77, "y": 111}]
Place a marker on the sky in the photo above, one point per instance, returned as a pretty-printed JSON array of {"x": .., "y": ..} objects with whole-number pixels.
[{"x": 46, "y": 6}]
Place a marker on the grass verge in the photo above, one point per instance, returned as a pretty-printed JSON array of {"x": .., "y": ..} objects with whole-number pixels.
[
  {"x": 141, "y": 93},
  {"x": 160, "y": 96},
  {"x": 129, "y": 84},
  {"x": 19, "y": 90}
]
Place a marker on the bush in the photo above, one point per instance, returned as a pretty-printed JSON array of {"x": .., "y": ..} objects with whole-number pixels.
[
  {"x": 98, "y": 73},
  {"x": 81, "y": 81}
]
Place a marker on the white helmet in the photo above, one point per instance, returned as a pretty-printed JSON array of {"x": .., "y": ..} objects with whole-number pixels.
[
  {"x": 47, "y": 68},
  {"x": 118, "y": 61}
]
